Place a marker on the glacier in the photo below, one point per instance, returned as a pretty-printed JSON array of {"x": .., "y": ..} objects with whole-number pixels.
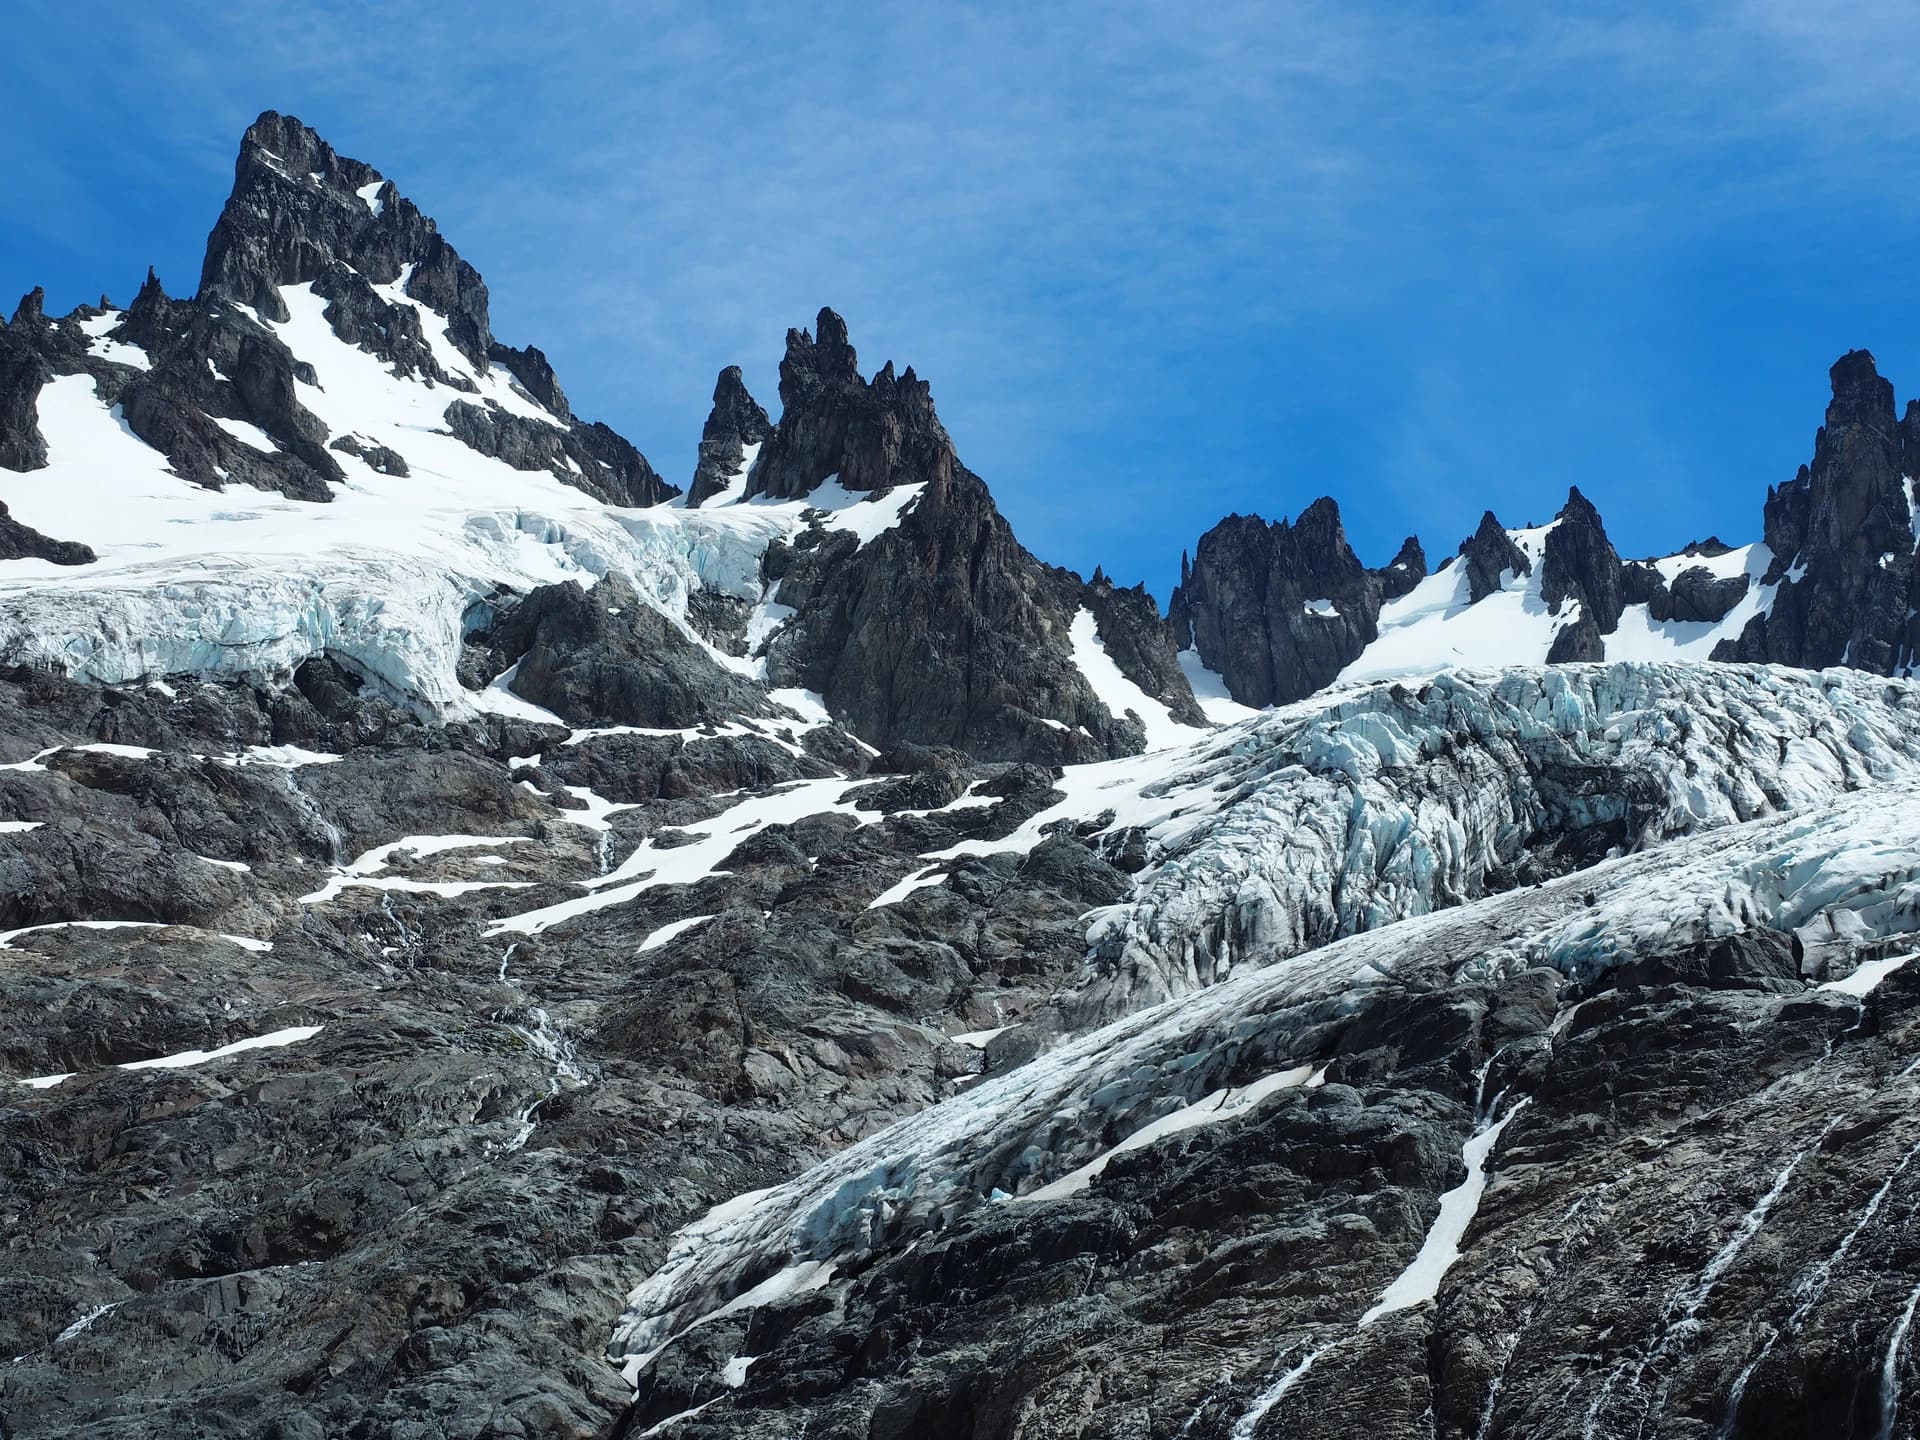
[
  {"x": 1741, "y": 857},
  {"x": 388, "y": 577}
]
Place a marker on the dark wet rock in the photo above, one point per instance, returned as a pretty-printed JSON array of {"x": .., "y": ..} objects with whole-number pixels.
[
  {"x": 1579, "y": 564},
  {"x": 871, "y": 434},
  {"x": 1842, "y": 538},
  {"x": 1641, "y": 584},
  {"x": 1406, "y": 570},
  {"x": 1277, "y": 610},
  {"x": 378, "y": 457},
  {"x": 1696, "y": 595},
  {"x": 1751, "y": 960},
  {"x": 605, "y": 657},
  {"x": 735, "y": 422},
  {"x": 1489, "y": 553},
  {"x": 942, "y": 629},
  {"x": 23, "y": 542},
  {"x": 22, "y": 373},
  {"x": 531, "y": 368}
]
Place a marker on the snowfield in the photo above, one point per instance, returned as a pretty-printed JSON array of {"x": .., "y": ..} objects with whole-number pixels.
[{"x": 386, "y": 578}]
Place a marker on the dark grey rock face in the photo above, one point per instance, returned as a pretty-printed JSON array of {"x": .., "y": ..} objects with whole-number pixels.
[
  {"x": 1278, "y": 610},
  {"x": 433, "y": 1207},
  {"x": 1580, "y": 564},
  {"x": 871, "y": 434},
  {"x": 1406, "y": 570},
  {"x": 1488, "y": 554},
  {"x": 942, "y": 629},
  {"x": 22, "y": 372},
  {"x": 1842, "y": 538},
  {"x": 606, "y": 657},
  {"x": 1210, "y": 1284},
  {"x": 1696, "y": 595},
  {"x": 23, "y": 542},
  {"x": 735, "y": 422}
]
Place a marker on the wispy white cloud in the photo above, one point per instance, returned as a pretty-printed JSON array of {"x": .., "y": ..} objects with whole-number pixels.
[{"x": 1194, "y": 258}]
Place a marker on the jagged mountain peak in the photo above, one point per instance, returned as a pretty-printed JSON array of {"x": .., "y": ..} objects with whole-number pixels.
[
  {"x": 871, "y": 434},
  {"x": 300, "y": 213},
  {"x": 1860, "y": 392},
  {"x": 736, "y": 427}
]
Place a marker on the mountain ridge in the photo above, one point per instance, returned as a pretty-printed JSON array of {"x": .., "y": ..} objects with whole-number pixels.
[{"x": 486, "y": 958}]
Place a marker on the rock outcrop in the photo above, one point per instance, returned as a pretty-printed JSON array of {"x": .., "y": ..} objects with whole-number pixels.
[
  {"x": 735, "y": 423},
  {"x": 23, "y": 542},
  {"x": 942, "y": 629},
  {"x": 870, "y": 434},
  {"x": 1842, "y": 533},
  {"x": 22, "y": 373},
  {"x": 1490, "y": 554},
  {"x": 1278, "y": 610}
]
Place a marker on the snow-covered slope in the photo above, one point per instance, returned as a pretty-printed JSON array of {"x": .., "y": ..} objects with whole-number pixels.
[
  {"x": 386, "y": 577},
  {"x": 1438, "y": 626}
]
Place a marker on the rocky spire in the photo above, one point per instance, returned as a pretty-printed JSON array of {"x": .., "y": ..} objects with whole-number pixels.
[
  {"x": 1489, "y": 553},
  {"x": 735, "y": 422},
  {"x": 1406, "y": 570},
  {"x": 872, "y": 435},
  {"x": 1278, "y": 610},
  {"x": 1842, "y": 538},
  {"x": 22, "y": 373},
  {"x": 1581, "y": 565}
]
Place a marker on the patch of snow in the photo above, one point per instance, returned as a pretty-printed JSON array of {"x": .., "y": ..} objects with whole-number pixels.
[
  {"x": 1210, "y": 689},
  {"x": 247, "y": 434},
  {"x": 19, "y": 827},
  {"x": 900, "y": 889},
  {"x": 979, "y": 1039},
  {"x": 102, "y": 346},
  {"x": 656, "y": 938},
  {"x": 271, "y": 1041},
  {"x": 652, "y": 865},
  {"x": 1119, "y": 694},
  {"x": 370, "y": 193},
  {"x": 422, "y": 846},
  {"x": 864, "y": 514},
  {"x": 1867, "y": 976},
  {"x": 1420, "y": 1281}
]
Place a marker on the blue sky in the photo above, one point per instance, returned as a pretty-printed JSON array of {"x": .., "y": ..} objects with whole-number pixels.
[{"x": 1159, "y": 265}]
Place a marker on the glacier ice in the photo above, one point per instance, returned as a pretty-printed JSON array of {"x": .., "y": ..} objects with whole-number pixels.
[{"x": 1018, "y": 1132}]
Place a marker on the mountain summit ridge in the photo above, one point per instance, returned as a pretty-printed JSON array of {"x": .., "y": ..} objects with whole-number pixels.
[{"x": 495, "y": 948}]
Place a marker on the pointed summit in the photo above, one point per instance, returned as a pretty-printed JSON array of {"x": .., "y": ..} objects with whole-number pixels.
[
  {"x": 1490, "y": 553},
  {"x": 735, "y": 423},
  {"x": 301, "y": 214},
  {"x": 1579, "y": 564},
  {"x": 832, "y": 422}
]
